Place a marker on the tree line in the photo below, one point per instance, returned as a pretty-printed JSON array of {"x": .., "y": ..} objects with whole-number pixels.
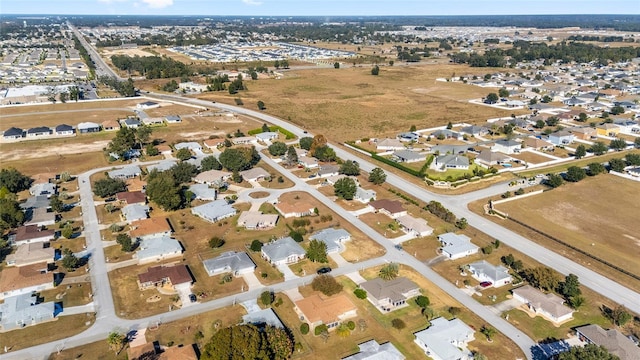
[{"x": 152, "y": 67}]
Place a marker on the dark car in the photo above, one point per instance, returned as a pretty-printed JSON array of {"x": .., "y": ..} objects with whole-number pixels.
[
  {"x": 324, "y": 270},
  {"x": 485, "y": 284},
  {"x": 193, "y": 298}
]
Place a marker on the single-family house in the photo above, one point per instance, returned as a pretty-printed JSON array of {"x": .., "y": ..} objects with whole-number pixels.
[
  {"x": 163, "y": 149},
  {"x": 391, "y": 208},
  {"x": 135, "y": 212},
  {"x": 147, "y": 105},
  {"x": 371, "y": 350},
  {"x": 40, "y": 217},
  {"x": 31, "y": 253},
  {"x": 507, "y": 146},
  {"x": 446, "y": 162},
  {"x": 364, "y": 195},
  {"x": 562, "y": 137},
  {"x": 131, "y": 123},
  {"x": 265, "y": 316},
  {"x": 24, "y": 310},
  {"x": 64, "y": 130},
  {"x": 447, "y": 134},
  {"x": 333, "y": 238},
  {"x": 584, "y": 133},
  {"x": 389, "y": 144},
  {"x": 25, "y": 279},
  {"x": 613, "y": 340},
  {"x": 157, "y": 248},
  {"x": 30, "y": 234},
  {"x": 216, "y": 178},
  {"x": 13, "y": 133},
  {"x": 414, "y": 226},
  {"x": 159, "y": 276},
  {"x": 483, "y": 271},
  {"x": 474, "y": 130},
  {"x": 634, "y": 171},
  {"x": 110, "y": 125},
  {"x": 152, "y": 121},
  {"x": 390, "y": 295},
  {"x": 301, "y": 152},
  {"x": 135, "y": 184},
  {"x": 244, "y": 140},
  {"x": 162, "y": 166},
  {"x": 173, "y": 119},
  {"x": 445, "y": 339},
  {"x": 456, "y": 246},
  {"x": 88, "y": 127},
  {"x": 608, "y": 129},
  {"x": 234, "y": 262},
  {"x": 331, "y": 180},
  {"x": 267, "y": 137},
  {"x": 126, "y": 172},
  {"x": 203, "y": 192},
  {"x": 328, "y": 170},
  {"x": 549, "y": 306},
  {"x": 191, "y": 145},
  {"x": 131, "y": 197},
  {"x": 38, "y": 131},
  {"x": 213, "y": 143},
  {"x": 627, "y": 126},
  {"x": 157, "y": 226},
  {"x": 408, "y": 136},
  {"x": 43, "y": 189},
  {"x": 36, "y": 202},
  {"x": 297, "y": 209},
  {"x": 448, "y": 149},
  {"x": 255, "y": 174},
  {"x": 256, "y": 220},
  {"x": 308, "y": 162},
  {"x": 283, "y": 251},
  {"x": 214, "y": 211},
  {"x": 331, "y": 311},
  {"x": 490, "y": 158},
  {"x": 407, "y": 156},
  {"x": 574, "y": 101},
  {"x": 538, "y": 144}
]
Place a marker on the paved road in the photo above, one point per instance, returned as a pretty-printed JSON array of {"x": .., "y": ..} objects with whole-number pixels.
[
  {"x": 102, "y": 69},
  {"x": 66, "y": 111}
]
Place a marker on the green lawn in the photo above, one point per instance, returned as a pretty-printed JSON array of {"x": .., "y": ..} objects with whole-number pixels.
[{"x": 454, "y": 174}]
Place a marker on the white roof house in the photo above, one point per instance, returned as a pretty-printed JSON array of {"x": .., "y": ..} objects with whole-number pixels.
[
  {"x": 191, "y": 145},
  {"x": 484, "y": 271},
  {"x": 506, "y": 146},
  {"x": 255, "y": 174},
  {"x": 549, "y": 306},
  {"x": 415, "y": 226},
  {"x": 253, "y": 220},
  {"x": 408, "y": 156},
  {"x": 371, "y": 350},
  {"x": 364, "y": 195},
  {"x": 456, "y": 246},
  {"x": 234, "y": 262},
  {"x": 203, "y": 192},
  {"x": 214, "y": 211},
  {"x": 88, "y": 127},
  {"x": 158, "y": 248},
  {"x": 308, "y": 162},
  {"x": 212, "y": 177},
  {"x": 283, "y": 251},
  {"x": 445, "y": 340},
  {"x": 389, "y": 144},
  {"x": 390, "y": 295},
  {"x": 445, "y": 162},
  {"x": 267, "y": 136},
  {"x": 243, "y": 140},
  {"x": 126, "y": 172},
  {"x": 333, "y": 238},
  {"x": 23, "y": 310},
  {"x": 265, "y": 316},
  {"x": 135, "y": 212},
  {"x": 163, "y": 165}
]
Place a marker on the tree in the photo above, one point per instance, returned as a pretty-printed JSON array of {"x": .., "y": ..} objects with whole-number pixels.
[
  {"x": 377, "y": 176},
  {"x": 546, "y": 99},
  {"x": 306, "y": 142},
  {"x": 462, "y": 223},
  {"x": 375, "y": 70},
  {"x": 581, "y": 151},
  {"x": 398, "y": 324},
  {"x": 389, "y": 271},
  {"x": 326, "y": 284},
  {"x": 595, "y": 169},
  {"x": 265, "y": 128},
  {"x": 575, "y": 174},
  {"x": 164, "y": 191},
  {"x": 325, "y": 153},
  {"x": 70, "y": 261},
  {"x": 570, "y": 287},
  {"x": 108, "y": 187},
  {"x": 552, "y": 121},
  {"x": 636, "y": 143},
  {"x": 542, "y": 278},
  {"x": 304, "y": 328},
  {"x": 587, "y": 352},
  {"x": 14, "y": 180},
  {"x": 248, "y": 342},
  {"x": 256, "y": 245},
  {"x": 216, "y": 242},
  {"x": 56, "y": 204},
  {"x": 422, "y": 301},
  {"x": 583, "y": 117},
  {"x": 125, "y": 242},
  {"x": 292, "y": 155},
  {"x": 336, "y": 65},
  {"x": 210, "y": 163},
  {"x": 598, "y": 148},
  {"x": 488, "y": 331},
  {"x": 239, "y": 159},
  {"x": 11, "y": 215},
  {"x": 266, "y": 298},
  {"x": 503, "y": 93},
  {"x": 183, "y": 172},
  {"x": 617, "y": 165},
  {"x": 317, "y": 251},
  {"x": 261, "y": 105},
  {"x": 151, "y": 150},
  {"x": 491, "y": 98},
  {"x": 350, "y": 168},
  {"x": 183, "y": 154},
  {"x": 617, "y": 110},
  {"x": 67, "y": 231},
  {"x": 124, "y": 141},
  {"x": 277, "y": 148},
  {"x": 116, "y": 341},
  {"x": 618, "y": 144},
  {"x": 576, "y": 301},
  {"x": 539, "y": 124},
  {"x": 554, "y": 180},
  {"x": 620, "y": 315},
  {"x": 632, "y": 159},
  {"x": 345, "y": 188}
]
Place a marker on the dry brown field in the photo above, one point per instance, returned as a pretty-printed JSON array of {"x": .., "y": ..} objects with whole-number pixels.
[
  {"x": 531, "y": 158},
  {"x": 597, "y": 215}
]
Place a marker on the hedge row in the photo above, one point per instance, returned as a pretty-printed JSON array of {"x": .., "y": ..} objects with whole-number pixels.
[{"x": 288, "y": 134}]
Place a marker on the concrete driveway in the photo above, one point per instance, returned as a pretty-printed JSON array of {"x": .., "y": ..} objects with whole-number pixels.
[
  {"x": 288, "y": 274},
  {"x": 252, "y": 281},
  {"x": 184, "y": 290}
]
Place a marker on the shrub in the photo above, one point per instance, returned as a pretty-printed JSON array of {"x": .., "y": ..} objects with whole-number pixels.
[
  {"x": 351, "y": 325},
  {"x": 216, "y": 242},
  {"x": 422, "y": 301},
  {"x": 266, "y": 298},
  {"x": 487, "y": 249},
  {"x": 320, "y": 329},
  {"x": 360, "y": 294},
  {"x": 455, "y": 311},
  {"x": 398, "y": 324},
  {"x": 304, "y": 328},
  {"x": 256, "y": 245},
  {"x": 326, "y": 284}
]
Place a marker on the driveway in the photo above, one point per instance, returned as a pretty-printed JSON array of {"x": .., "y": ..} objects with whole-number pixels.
[
  {"x": 184, "y": 290},
  {"x": 252, "y": 281},
  {"x": 288, "y": 274},
  {"x": 356, "y": 277},
  {"x": 506, "y": 305},
  {"x": 338, "y": 259}
]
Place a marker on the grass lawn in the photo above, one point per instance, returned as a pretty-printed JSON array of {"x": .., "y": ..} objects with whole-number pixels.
[
  {"x": 70, "y": 295},
  {"x": 274, "y": 183},
  {"x": 451, "y": 174},
  {"x": 57, "y": 163},
  {"x": 63, "y": 327},
  {"x": 581, "y": 163},
  {"x": 530, "y": 157}
]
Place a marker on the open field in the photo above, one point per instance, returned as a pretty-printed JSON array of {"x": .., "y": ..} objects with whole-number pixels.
[
  {"x": 582, "y": 163},
  {"x": 124, "y": 103},
  {"x": 530, "y": 157},
  {"x": 348, "y": 104},
  {"x": 63, "y": 327},
  {"x": 597, "y": 215},
  {"x": 73, "y": 118},
  {"x": 55, "y": 163}
]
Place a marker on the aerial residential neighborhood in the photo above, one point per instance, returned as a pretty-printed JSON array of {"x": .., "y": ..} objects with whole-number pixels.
[{"x": 178, "y": 185}]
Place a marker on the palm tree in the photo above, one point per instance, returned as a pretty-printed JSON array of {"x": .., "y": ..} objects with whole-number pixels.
[
  {"x": 343, "y": 331},
  {"x": 389, "y": 272},
  {"x": 488, "y": 331},
  {"x": 116, "y": 341}
]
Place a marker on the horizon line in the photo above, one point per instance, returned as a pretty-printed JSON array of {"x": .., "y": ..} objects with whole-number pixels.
[{"x": 313, "y": 16}]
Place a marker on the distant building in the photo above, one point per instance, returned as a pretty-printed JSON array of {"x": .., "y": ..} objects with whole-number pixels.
[{"x": 612, "y": 340}]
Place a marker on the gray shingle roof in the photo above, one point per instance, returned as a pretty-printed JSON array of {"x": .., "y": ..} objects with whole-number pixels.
[{"x": 282, "y": 248}]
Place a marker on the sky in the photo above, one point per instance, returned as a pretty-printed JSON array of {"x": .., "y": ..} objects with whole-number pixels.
[{"x": 319, "y": 7}]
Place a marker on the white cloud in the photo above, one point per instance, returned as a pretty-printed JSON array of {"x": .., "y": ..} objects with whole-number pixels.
[
  {"x": 252, "y": 2},
  {"x": 158, "y": 4}
]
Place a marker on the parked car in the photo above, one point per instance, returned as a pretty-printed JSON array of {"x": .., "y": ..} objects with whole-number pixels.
[
  {"x": 324, "y": 270},
  {"x": 485, "y": 284},
  {"x": 193, "y": 298}
]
